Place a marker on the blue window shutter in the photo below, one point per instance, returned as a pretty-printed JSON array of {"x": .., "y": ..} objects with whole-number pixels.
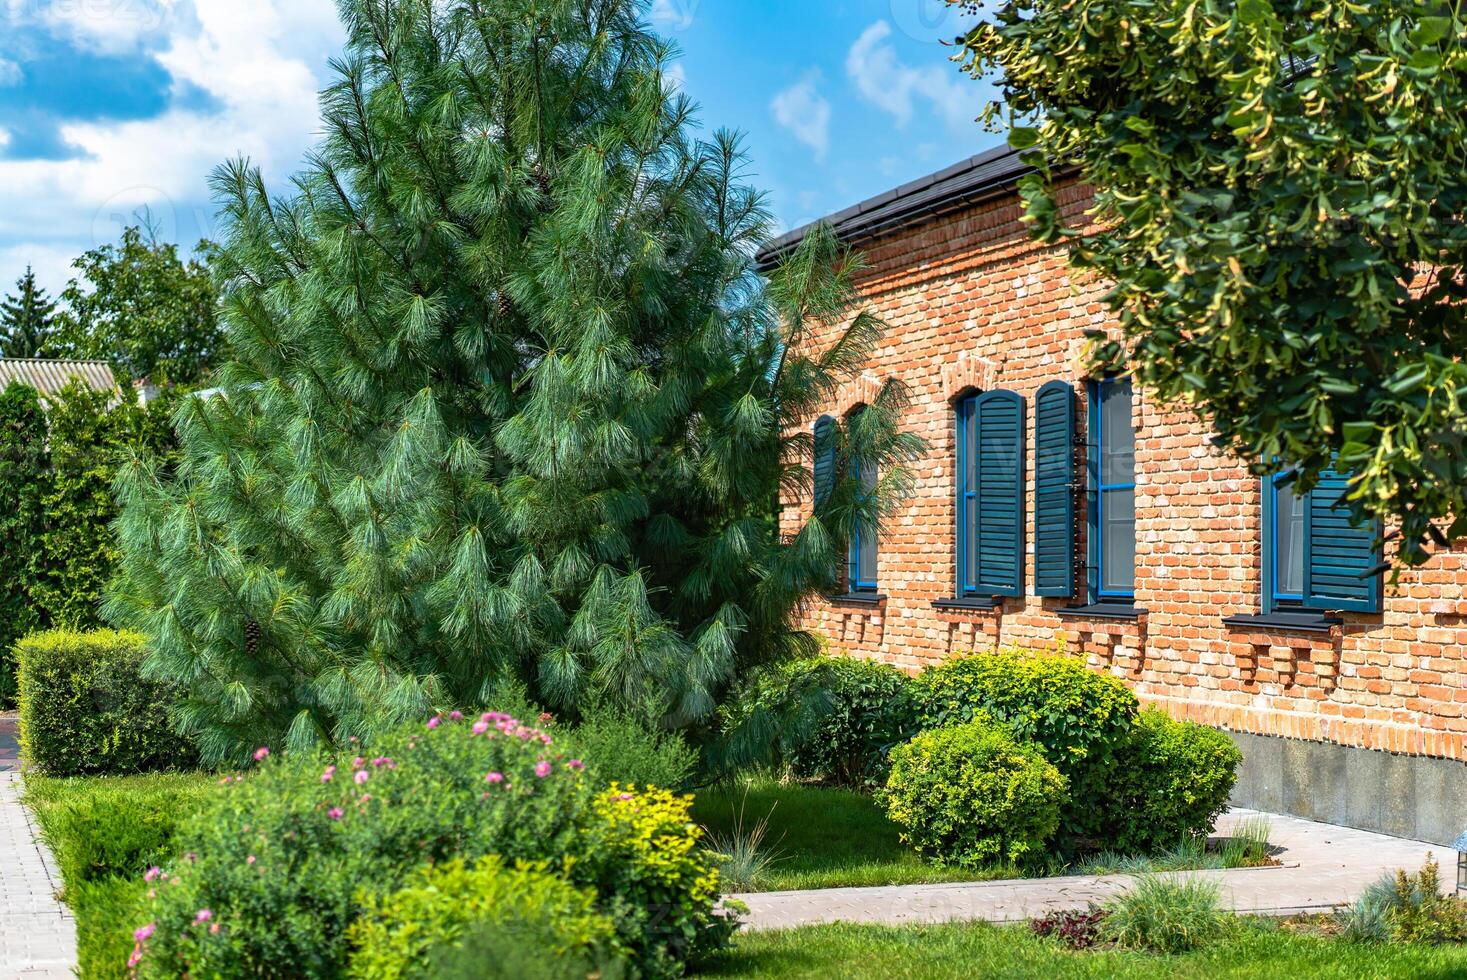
[
  {"x": 999, "y": 416},
  {"x": 824, "y": 459},
  {"x": 1340, "y": 558},
  {"x": 1054, "y": 493}
]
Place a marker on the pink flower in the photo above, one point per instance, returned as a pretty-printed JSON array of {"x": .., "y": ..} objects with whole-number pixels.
[
  {"x": 135, "y": 958},
  {"x": 494, "y": 777},
  {"x": 576, "y": 764},
  {"x": 434, "y": 722},
  {"x": 143, "y": 933},
  {"x": 335, "y": 813},
  {"x": 250, "y": 859},
  {"x": 153, "y": 873},
  {"x": 542, "y": 768},
  {"x": 456, "y": 715},
  {"x": 203, "y": 915},
  {"x": 361, "y": 777},
  {"x": 358, "y": 762},
  {"x": 326, "y": 776},
  {"x": 545, "y": 716},
  {"x": 623, "y": 798},
  {"x": 214, "y": 928},
  {"x": 261, "y": 753},
  {"x": 383, "y": 760},
  {"x": 480, "y": 727}
]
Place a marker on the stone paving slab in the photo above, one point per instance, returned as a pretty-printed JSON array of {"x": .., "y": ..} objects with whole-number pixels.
[
  {"x": 1323, "y": 867},
  {"x": 37, "y": 932}
]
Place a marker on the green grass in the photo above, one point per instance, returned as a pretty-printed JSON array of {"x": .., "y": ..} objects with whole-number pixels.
[
  {"x": 822, "y": 838},
  {"x": 105, "y": 832},
  {"x": 1254, "y": 952}
]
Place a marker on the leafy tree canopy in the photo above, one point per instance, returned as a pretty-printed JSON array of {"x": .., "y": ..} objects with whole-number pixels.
[
  {"x": 28, "y": 321},
  {"x": 1280, "y": 187},
  {"x": 138, "y": 305},
  {"x": 508, "y": 399}
]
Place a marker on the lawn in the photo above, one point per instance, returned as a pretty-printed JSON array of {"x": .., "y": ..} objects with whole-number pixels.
[
  {"x": 823, "y": 838},
  {"x": 885, "y": 953}
]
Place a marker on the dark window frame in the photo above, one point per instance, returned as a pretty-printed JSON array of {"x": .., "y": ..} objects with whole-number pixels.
[{"x": 1095, "y": 523}]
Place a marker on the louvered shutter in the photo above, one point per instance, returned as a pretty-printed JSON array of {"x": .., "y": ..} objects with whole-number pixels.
[
  {"x": 1054, "y": 494},
  {"x": 824, "y": 459},
  {"x": 1339, "y": 558},
  {"x": 999, "y": 416}
]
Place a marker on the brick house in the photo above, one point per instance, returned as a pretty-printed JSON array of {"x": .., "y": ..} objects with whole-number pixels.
[{"x": 1056, "y": 507}]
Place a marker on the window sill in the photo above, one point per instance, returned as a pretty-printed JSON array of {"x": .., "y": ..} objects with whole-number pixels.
[
  {"x": 1295, "y": 622},
  {"x": 856, "y": 599},
  {"x": 1102, "y": 610},
  {"x": 966, "y": 604}
]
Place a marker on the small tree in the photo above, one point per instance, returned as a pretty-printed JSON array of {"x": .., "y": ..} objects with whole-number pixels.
[
  {"x": 509, "y": 399},
  {"x": 28, "y": 321},
  {"x": 1279, "y": 195},
  {"x": 24, "y": 466},
  {"x": 139, "y": 306}
]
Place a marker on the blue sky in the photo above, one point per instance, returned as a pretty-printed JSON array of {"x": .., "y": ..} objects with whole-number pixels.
[{"x": 108, "y": 106}]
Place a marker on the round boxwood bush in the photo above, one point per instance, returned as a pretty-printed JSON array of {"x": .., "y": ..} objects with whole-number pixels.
[
  {"x": 1080, "y": 718},
  {"x": 282, "y": 862},
  {"x": 973, "y": 795},
  {"x": 1171, "y": 782},
  {"x": 441, "y": 911},
  {"x": 831, "y": 718}
]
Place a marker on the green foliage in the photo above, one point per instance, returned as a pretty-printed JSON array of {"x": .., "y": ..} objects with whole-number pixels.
[
  {"x": 1171, "y": 781},
  {"x": 137, "y": 305},
  {"x": 618, "y": 746},
  {"x": 1167, "y": 914},
  {"x": 28, "y": 321},
  {"x": 833, "y": 718},
  {"x": 1279, "y": 191},
  {"x": 86, "y": 708},
  {"x": 508, "y": 399},
  {"x": 286, "y": 857},
  {"x": 972, "y": 795},
  {"x": 1418, "y": 912},
  {"x": 515, "y": 950},
  {"x": 1081, "y": 719},
  {"x": 90, "y": 438},
  {"x": 102, "y": 828},
  {"x": 24, "y": 473},
  {"x": 403, "y": 934}
]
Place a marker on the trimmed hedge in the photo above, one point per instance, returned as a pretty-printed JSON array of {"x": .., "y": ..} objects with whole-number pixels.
[
  {"x": 1081, "y": 719},
  {"x": 972, "y": 795},
  {"x": 86, "y": 709},
  {"x": 1172, "y": 781}
]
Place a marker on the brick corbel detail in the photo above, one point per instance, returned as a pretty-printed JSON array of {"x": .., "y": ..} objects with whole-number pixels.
[
  {"x": 968, "y": 371},
  {"x": 862, "y": 390}
]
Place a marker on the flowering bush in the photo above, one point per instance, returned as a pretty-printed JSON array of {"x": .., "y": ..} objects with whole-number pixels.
[
  {"x": 401, "y": 934},
  {"x": 277, "y": 869}
]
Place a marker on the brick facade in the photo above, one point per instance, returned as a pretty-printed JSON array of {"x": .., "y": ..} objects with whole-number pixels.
[{"x": 971, "y": 302}]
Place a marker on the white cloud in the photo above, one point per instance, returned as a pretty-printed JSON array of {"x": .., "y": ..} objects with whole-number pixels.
[
  {"x": 673, "y": 15},
  {"x": 261, "y": 64},
  {"x": 805, "y": 112},
  {"x": 888, "y": 83},
  {"x": 10, "y": 73}
]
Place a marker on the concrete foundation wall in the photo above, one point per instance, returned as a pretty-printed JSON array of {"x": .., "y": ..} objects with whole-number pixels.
[{"x": 1406, "y": 796}]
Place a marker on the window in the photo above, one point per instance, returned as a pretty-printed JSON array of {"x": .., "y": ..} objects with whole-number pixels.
[
  {"x": 990, "y": 495},
  {"x": 861, "y": 570},
  {"x": 1284, "y": 510},
  {"x": 1113, "y": 489},
  {"x": 1314, "y": 558}
]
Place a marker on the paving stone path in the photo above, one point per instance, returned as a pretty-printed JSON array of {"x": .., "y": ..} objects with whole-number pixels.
[
  {"x": 37, "y": 932},
  {"x": 1322, "y": 867}
]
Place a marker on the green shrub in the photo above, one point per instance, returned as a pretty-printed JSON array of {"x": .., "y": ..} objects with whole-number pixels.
[
  {"x": 514, "y": 949},
  {"x": 833, "y": 718},
  {"x": 1419, "y": 913},
  {"x": 972, "y": 795},
  {"x": 24, "y": 474},
  {"x": 1165, "y": 914},
  {"x": 1080, "y": 718},
  {"x": 283, "y": 862},
  {"x": 86, "y": 709},
  {"x": 1172, "y": 781},
  {"x": 620, "y": 747},
  {"x": 400, "y": 934}
]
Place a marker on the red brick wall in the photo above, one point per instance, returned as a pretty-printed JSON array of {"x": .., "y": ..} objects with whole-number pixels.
[{"x": 970, "y": 301}]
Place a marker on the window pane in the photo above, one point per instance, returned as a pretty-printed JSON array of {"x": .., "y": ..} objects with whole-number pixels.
[
  {"x": 1118, "y": 541},
  {"x": 1288, "y": 543},
  {"x": 1117, "y": 438},
  {"x": 868, "y": 556},
  {"x": 970, "y": 543}
]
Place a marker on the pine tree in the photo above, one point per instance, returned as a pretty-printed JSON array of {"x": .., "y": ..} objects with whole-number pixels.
[
  {"x": 27, "y": 320},
  {"x": 508, "y": 400}
]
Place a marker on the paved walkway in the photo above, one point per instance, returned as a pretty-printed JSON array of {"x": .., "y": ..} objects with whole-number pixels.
[
  {"x": 37, "y": 932},
  {"x": 1322, "y": 867}
]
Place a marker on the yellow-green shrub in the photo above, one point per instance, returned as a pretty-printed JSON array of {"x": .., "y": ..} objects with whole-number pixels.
[{"x": 404, "y": 933}]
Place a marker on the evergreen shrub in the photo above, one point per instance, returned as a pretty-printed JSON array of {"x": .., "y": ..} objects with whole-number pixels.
[
  {"x": 1171, "y": 781},
  {"x": 286, "y": 859},
  {"x": 87, "y": 709},
  {"x": 972, "y": 795},
  {"x": 1081, "y": 719},
  {"x": 410, "y": 932},
  {"x": 24, "y": 472},
  {"x": 832, "y": 718}
]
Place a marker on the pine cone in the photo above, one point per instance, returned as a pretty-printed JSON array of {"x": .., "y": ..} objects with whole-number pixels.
[
  {"x": 506, "y": 305},
  {"x": 541, "y": 178},
  {"x": 251, "y": 637}
]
